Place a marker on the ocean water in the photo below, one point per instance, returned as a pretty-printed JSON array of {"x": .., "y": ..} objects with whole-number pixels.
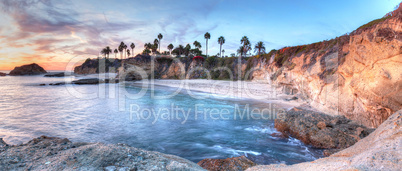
[{"x": 187, "y": 126}]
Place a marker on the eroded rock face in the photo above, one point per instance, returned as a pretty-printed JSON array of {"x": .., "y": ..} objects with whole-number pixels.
[
  {"x": 356, "y": 75},
  {"x": 31, "y": 69},
  {"x": 49, "y": 153},
  {"x": 236, "y": 163},
  {"x": 2, "y": 74},
  {"x": 381, "y": 150},
  {"x": 321, "y": 130},
  {"x": 100, "y": 65}
]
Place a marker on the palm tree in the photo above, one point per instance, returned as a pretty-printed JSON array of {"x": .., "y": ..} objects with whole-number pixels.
[
  {"x": 260, "y": 47},
  {"x": 223, "y": 52},
  {"x": 187, "y": 49},
  {"x": 121, "y": 48},
  {"x": 108, "y": 51},
  {"x": 147, "y": 45},
  {"x": 240, "y": 51},
  {"x": 128, "y": 52},
  {"x": 125, "y": 47},
  {"x": 221, "y": 41},
  {"x": 180, "y": 49},
  {"x": 103, "y": 52},
  {"x": 160, "y": 36},
  {"x": 115, "y": 53},
  {"x": 132, "y": 47},
  {"x": 207, "y": 36},
  {"x": 197, "y": 44},
  {"x": 246, "y": 44},
  {"x": 155, "y": 45},
  {"x": 170, "y": 47}
]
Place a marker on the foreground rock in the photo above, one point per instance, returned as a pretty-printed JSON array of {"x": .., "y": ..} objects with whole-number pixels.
[
  {"x": 2, "y": 74},
  {"x": 321, "y": 130},
  {"x": 381, "y": 150},
  {"x": 31, "y": 69},
  {"x": 47, "y": 153},
  {"x": 235, "y": 163}
]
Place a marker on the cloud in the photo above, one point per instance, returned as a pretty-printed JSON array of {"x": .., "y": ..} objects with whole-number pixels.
[{"x": 50, "y": 26}]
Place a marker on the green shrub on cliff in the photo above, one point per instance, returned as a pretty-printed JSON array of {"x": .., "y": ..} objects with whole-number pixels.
[{"x": 372, "y": 23}]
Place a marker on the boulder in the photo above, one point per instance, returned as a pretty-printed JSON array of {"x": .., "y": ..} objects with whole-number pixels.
[
  {"x": 2, "y": 74},
  {"x": 235, "y": 163},
  {"x": 321, "y": 130},
  {"x": 31, "y": 69},
  {"x": 50, "y": 153}
]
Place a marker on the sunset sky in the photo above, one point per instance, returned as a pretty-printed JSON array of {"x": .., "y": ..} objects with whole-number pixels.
[{"x": 53, "y": 33}]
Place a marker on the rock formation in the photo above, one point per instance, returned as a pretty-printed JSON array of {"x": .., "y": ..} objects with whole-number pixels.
[
  {"x": 99, "y": 65},
  {"x": 320, "y": 130},
  {"x": 236, "y": 164},
  {"x": 60, "y": 74},
  {"x": 31, "y": 69},
  {"x": 381, "y": 150},
  {"x": 2, "y": 74},
  {"x": 47, "y": 153},
  {"x": 356, "y": 75}
]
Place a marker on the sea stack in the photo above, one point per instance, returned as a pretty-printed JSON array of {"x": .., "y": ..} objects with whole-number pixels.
[{"x": 31, "y": 69}]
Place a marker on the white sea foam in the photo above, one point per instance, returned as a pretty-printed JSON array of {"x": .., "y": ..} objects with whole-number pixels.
[
  {"x": 266, "y": 130},
  {"x": 294, "y": 142},
  {"x": 234, "y": 152}
]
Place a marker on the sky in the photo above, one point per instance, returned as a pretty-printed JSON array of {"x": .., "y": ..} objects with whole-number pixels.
[{"x": 60, "y": 34}]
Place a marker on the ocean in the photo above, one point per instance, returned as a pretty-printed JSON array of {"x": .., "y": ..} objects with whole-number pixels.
[{"x": 155, "y": 120}]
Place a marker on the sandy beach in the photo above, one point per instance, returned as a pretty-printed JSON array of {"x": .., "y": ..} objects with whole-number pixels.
[{"x": 247, "y": 90}]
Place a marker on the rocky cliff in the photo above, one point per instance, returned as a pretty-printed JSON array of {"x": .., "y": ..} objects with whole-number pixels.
[
  {"x": 99, "y": 65},
  {"x": 356, "y": 75}
]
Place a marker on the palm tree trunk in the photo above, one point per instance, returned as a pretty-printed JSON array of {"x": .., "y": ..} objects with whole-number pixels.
[
  {"x": 207, "y": 49},
  {"x": 220, "y": 51}
]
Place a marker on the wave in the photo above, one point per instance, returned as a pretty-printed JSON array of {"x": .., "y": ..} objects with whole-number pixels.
[
  {"x": 265, "y": 130},
  {"x": 234, "y": 152}
]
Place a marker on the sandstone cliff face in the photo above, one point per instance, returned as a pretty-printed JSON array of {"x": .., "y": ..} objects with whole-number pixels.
[{"x": 355, "y": 75}]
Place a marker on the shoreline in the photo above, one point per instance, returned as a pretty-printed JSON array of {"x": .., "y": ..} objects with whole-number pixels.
[{"x": 231, "y": 90}]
